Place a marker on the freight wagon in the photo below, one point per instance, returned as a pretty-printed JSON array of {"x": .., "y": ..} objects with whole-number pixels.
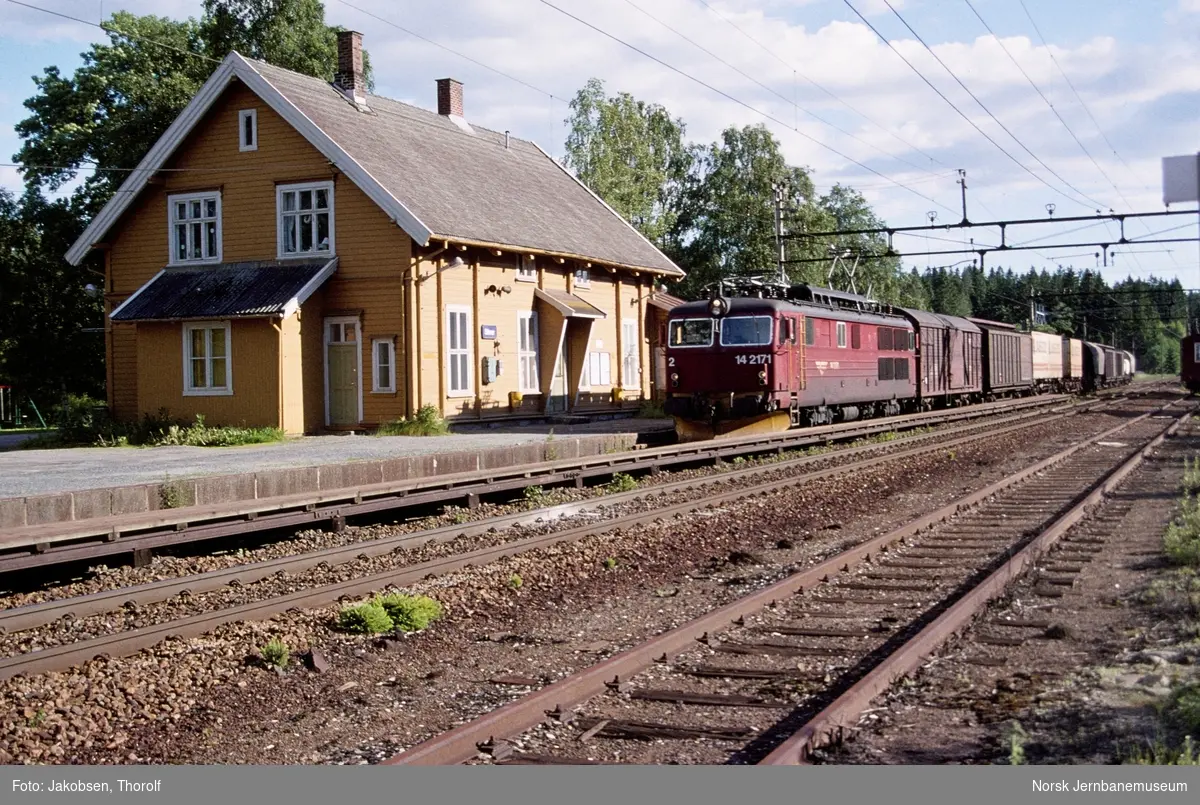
[{"x": 1007, "y": 358}]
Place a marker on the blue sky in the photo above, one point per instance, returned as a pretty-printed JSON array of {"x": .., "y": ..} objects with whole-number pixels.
[{"x": 1135, "y": 64}]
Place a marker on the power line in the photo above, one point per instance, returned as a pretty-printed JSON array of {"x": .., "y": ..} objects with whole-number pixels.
[
  {"x": 451, "y": 50},
  {"x": 942, "y": 95},
  {"x": 118, "y": 31},
  {"x": 828, "y": 92},
  {"x": 738, "y": 101},
  {"x": 784, "y": 98},
  {"x": 1057, "y": 114},
  {"x": 974, "y": 97}
]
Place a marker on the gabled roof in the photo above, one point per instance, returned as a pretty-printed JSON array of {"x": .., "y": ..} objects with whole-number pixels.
[
  {"x": 258, "y": 289},
  {"x": 435, "y": 179},
  {"x": 570, "y": 305}
]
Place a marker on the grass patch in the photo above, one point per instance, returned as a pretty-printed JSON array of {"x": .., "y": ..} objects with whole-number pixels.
[
  {"x": 1191, "y": 476},
  {"x": 515, "y": 581},
  {"x": 622, "y": 483},
  {"x": 1182, "y": 540},
  {"x": 276, "y": 653},
  {"x": 368, "y": 618},
  {"x": 409, "y": 613},
  {"x": 84, "y": 422},
  {"x": 1016, "y": 738},
  {"x": 427, "y": 422},
  {"x": 534, "y": 495},
  {"x": 1160, "y": 755},
  {"x": 649, "y": 409}
]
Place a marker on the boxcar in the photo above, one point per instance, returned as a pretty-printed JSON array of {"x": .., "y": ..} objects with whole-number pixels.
[
  {"x": 1007, "y": 359},
  {"x": 1049, "y": 361},
  {"x": 1072, "y": 364},
  {"x": 948, "y": 359},
  {"x": 1093, "y": 366},
  {"x": 1189, "y": 362}
]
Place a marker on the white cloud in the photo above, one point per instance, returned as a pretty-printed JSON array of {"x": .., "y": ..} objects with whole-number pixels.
[
  {"x": 1189, "y": 6},
  {"x": 1127, "y": 86}
]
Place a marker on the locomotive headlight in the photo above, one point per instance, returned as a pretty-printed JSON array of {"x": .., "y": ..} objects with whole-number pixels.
[
  {"x": 674, "y": 378},
  {"x": 716, "y": 306},
  {"x": 762, "y": 376}
]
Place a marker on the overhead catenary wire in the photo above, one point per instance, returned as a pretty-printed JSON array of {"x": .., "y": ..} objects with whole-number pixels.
[
  {"x": 1057, "y": 114},
  {"x": 777, "y": 94},
  {"x": 954, "y": 106},
  {"x": 738, "y": 101}
]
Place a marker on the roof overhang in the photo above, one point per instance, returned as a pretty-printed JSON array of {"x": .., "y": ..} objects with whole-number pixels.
[
  {"x": 264, "y": 290},
  {"x": 664, "y": 301},
  {"x": 570, "y": 305},
  {"x": 235, "y": 67}
]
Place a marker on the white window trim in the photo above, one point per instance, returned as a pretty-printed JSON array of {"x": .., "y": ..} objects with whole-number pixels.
[
  {"x": 188, "y": 389},
  {"x": 535, "y": 352},
  {"x": 586, "y": 282},
  {"x": 325, "y": 360},
  {"x": 526, "y": 268},
  {"x": 634, "y": 383},
  {"x": 376, "y": 386},
  {"x": 172, "y": 258},
  {"x": 279, "y": 191},
  {"x": 253, "y": 115},
  {"x": 468, "y": 350},
  {"x": 840, "y": 335}
]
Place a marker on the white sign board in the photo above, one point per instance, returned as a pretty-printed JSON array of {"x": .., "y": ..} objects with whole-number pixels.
[{"x": 1181, "y": 179}]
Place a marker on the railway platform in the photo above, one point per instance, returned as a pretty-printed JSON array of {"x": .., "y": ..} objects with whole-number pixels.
[{"x": 51, "y": 486}]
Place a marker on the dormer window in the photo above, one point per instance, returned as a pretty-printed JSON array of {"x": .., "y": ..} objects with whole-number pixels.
[
  {"x": 248, "y": 130},
  {"x": 195, "y": 228},
  {"x": 526, "y": 270}
]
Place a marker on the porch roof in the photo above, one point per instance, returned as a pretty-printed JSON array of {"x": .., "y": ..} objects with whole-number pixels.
[
  {"x": 570, "y": 305},
  {"x": 256, "y": 289}
]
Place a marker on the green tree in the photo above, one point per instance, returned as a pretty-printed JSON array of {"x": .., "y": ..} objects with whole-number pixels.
[
  {"x": 103, "y": 119},
  {"x": 631, "y": 154},
  {"x": 726, "y": 223},
  {"x": 127, "y": 92}
]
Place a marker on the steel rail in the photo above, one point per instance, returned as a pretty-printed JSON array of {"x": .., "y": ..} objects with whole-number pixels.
[
  {"x": 830, "y": 724},
  {"x": 34, "y": 615},
  {"x": 39, "y": 546},
  {"x": 462, "y": 743}
]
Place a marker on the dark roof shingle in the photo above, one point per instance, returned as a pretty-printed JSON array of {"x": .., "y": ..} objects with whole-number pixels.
[
  {"x": 469, "y": 186},
  {"x": 226, "y": 290}
]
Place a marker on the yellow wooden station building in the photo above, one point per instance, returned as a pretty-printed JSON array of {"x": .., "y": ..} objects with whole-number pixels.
[{"x": 301, "y": 254}]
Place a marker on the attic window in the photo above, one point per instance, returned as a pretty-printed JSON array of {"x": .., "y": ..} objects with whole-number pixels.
[
  {"x": 582, "y": 278},
  {"x": 526, "y": 270},
  {"x": 248, "y": 130}
]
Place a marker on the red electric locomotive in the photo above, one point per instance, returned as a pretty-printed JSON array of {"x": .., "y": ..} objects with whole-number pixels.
[
  {"x": 1189, "y": 362},
  {"x": 786, "y": 357}
]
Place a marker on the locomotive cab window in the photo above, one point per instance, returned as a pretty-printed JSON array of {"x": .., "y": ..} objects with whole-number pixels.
[
  {"x": 691, "y": 333},
  {"x": 746, "y": 331}
]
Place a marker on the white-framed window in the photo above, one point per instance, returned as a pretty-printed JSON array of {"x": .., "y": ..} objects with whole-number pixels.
[
  {"x": 383, "y": 358},
  {"x": 305, "y": 215},
  {"x": 583, "y": 279},
  {"x": 631, "y": 362},
  {"x": 248, "y": 130},
  {"x": 458, "y": 351},
  {"x": 527, "y": 352},
  {"x": 195, "y": 228},
  {"x": 599, "y": 370},
  {"x": 526, "y": 268},
  {"x": 207, "y": 368},
  {"x": 841, "y": 334}
]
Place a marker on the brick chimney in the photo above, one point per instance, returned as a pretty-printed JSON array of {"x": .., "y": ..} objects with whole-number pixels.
[
  {"x": 349, "y": 76},
  {"x": 450, "y": 97}
]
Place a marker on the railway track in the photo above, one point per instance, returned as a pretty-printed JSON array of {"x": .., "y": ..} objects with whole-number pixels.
[
  {"x": 43, "y": 546},
  {"x": 784, "y": 670},
  {"x": 661, "y": 501}
]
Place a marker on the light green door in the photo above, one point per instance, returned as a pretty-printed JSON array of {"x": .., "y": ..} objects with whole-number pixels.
[{"x": 341, "y": 364}]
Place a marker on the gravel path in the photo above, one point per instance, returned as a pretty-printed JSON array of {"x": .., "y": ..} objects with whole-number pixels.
[
  {"x": 205, "y": 700},
  {"x": 40, "y": 472}
]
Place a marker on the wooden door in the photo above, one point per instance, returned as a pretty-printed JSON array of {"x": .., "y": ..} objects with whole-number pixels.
[{"x": 341, "y": 365}]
